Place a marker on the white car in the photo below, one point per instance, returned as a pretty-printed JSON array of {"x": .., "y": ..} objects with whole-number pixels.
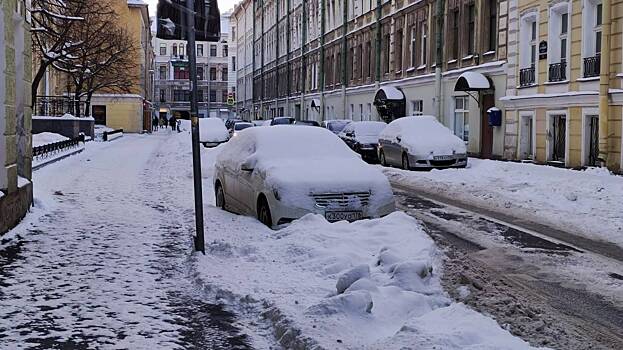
[
  {"x": 212, "y": 132},
  {"x": 335, "y": 126},
  {"x": 421, "y": 142},
  {"x": 281, "y": 173}
]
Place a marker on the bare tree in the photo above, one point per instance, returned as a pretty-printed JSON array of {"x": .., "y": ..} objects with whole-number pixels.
[{"x": 53, "y": 21}]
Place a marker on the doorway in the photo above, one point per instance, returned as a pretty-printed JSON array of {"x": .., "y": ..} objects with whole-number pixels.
[
  {"x": 591, "y": 140},
  {"x": 486, "y": 130},
  {"x": 558, "y": 138},
  {"x": 99, "y": 114},
  {"x": 526, "y": 141}
]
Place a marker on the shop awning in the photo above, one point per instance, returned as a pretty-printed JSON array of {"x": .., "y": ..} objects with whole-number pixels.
[
  {"x": 315, "y": 103},
  {"x": 472, "y": 81},
  {"x": 389, "y": 93}
]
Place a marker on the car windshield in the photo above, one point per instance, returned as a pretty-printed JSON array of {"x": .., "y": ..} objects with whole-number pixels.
[
  {"x": 282, "y": 121},
  {"x": 337, "y": 126},
  {"x": 307, "y": 122},
  {"x": 369, "y": 128},
  {"x": 241, "y": 126}
]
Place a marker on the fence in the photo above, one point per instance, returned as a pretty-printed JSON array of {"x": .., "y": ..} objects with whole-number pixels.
[{"x": 56, "y": 147}]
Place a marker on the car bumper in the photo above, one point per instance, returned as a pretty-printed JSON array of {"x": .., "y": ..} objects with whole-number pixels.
[
  {"x": 417, "y": 162},
  {"x": 212, "y": 144}
]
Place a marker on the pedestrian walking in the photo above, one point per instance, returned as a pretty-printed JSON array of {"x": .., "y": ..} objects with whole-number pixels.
[
  {"x": 155, "y": 123},
  {"x": 173, "y": 122}
]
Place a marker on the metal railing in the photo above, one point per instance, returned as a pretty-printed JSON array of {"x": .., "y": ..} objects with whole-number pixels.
[
  {"x": 527, "y": 76},
  {"x": 558, "y": 71},
  {"x": 49, "y": 149},
  {"x": 592, "y": 66},
  {"x": 53, "y": 105}
]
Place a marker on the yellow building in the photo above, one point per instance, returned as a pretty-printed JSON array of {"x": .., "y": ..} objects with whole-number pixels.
[
  {"x": 15, "y": 114},
  {"x": 560, "y": 54}
]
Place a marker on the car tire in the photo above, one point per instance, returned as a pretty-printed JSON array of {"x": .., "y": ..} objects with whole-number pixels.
[
  {"x": 405, "y": 162},
  {"x": 382, "y": 159},
  {"x": 219, "y": 194},
  {"x": 263, "y": 212}
]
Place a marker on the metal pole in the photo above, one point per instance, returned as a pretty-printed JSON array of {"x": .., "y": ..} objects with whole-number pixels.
[
  {"x": 604, "y": 83},
  {"x": 439, "y": 13},
  {"x": 194, "y": 120}
]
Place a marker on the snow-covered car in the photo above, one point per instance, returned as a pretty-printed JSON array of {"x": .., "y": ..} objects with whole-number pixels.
[
  {"x": 238, "y": 126},
  {"x": 212, "y": 132},
  {"x": 282, "y": 173},
  {"x": 421, "y": 142},
  {"x": 363, "y": 138},
  {"x": 335, "y": 126},
  {"x": 306, "y": 123}
]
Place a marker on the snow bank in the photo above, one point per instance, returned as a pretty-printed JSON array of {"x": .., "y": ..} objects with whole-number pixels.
[
  {"x": 371, "y": 284},
  {"x": 423, "y": 135},
  {"x": 45, "y": 138},
  {"x": 582, "y": 202}
]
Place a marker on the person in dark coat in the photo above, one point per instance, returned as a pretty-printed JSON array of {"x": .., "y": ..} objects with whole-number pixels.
[
  {"x": 173, "y": 122},
  {"x": 154, "y": 123}
]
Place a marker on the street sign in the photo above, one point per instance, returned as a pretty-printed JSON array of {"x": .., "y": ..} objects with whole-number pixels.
[
  {"x": 543, "y": 50},
  {"x": 172, "y": 23}
]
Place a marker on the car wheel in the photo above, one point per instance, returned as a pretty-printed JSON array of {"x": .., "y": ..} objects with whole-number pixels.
[
  {"x": 382, "y": 159},
  {"x": 263, "y": 212},
  {"x": 405, "y": 162},
  {"x": 220, "y": 196}
]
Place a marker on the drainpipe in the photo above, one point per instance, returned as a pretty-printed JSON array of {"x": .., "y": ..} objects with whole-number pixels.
[
  {"x": 439, "y": 12},
  {"x": 323, "y": 4},
  {"x": 303, "y": 71},
  {"x": 604, "y": 82},
  {"x": 377, "y": 49},
  {"x": 344, "y": 56}
]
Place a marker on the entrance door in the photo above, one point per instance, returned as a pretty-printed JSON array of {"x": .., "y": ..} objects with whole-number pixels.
[
  {"x": 99, "y": 114},
  {"x": 593, "y": 141},
  {"x": 559, "y": 130},
  {"x": 526, "y": 143},
  {"x": 486, "y": 130}
]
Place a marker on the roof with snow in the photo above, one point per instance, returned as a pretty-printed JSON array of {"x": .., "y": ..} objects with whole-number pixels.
[{"x": 472, "y": 81}]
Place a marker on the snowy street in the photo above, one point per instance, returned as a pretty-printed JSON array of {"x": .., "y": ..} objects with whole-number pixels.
[{"x": 105, "y": 260}]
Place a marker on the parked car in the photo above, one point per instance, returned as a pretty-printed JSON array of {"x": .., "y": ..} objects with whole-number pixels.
[
  {"x": 281, "y": 173},
  {"x": 259, "y": 122},
  {"x": 335, "y": 126},
  {"x": 421, "y": 142},
  {"x": 229, "y": 123},
  {"x": 239, "y": 126},
  {"x": 307, "y": 123},
  {"x": 282, "y": 121},
  {"x": 363, "y": 138},
  {"x": 212, "y": 132}
]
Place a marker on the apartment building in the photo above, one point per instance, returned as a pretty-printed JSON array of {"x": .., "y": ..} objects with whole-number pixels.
[
  {"x": 15, "y": 113},
  {"x": 370, "y": 60},
  {"x": 560, "y": 54},
  {"x": 242, "y": 34},
  {"x": 216, "y": 65}
]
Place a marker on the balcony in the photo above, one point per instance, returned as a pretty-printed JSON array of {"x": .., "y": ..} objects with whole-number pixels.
[
  {"x": 526, "y": 77},
  {"x": 592, "y": 66},
  {"x": 558, "y": 72}
]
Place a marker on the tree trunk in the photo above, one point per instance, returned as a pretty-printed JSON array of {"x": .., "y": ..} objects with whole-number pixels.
[
  {"x": 87, "y": 105},
  {"x": 76, "y": 104},
  {"x": 36, "y": 80}
]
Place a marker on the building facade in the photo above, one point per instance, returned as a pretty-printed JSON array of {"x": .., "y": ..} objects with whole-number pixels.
[
  {"x": 242, "y": 34},
  {"x": 15, "y": 113},
  {"x": 564, "y": 100},
  {"x": 216, "y": 65},
  {"x": 336, "y": 59}
]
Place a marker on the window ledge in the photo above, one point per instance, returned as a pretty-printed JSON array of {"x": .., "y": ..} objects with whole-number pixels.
[
  {"x": 489, "y": 53},
  {"x": 409, "y": 70},
  {"x": 398, "y": 71},
  {"x": 527, "y": 86},
  {"x": 421, "y": 67},
  {"x": 468, "y": 57},
  {"x": 556, "y": 82},
  {"x": 451, "y": 61},
  {"x": 589, "y": 79}
]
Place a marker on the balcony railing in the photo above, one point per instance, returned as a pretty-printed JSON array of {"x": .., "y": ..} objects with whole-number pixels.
[
  {"x": 592, "y": 66},
  {"x": 526, "y": 76},
  {"x": 558, "y": 71}
]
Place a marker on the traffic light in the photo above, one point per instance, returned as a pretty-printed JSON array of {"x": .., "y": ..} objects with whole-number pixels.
[{"x": 171, "y": 16}]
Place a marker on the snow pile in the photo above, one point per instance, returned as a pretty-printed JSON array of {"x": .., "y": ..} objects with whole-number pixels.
[
  {"x": 212, "y": 130},
  {"x": 371, "y": 284},
  {"x": 423, "y": 136},
  {"x": 45, "y": 138},
  {"x": 300, "y": 161},
  {"x": 365, "y": 132},
  {"x": 587, "y": 202}
]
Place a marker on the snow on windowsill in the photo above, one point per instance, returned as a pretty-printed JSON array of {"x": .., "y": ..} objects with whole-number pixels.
[
  {"x": 421, "y": 67},
  {"x": 488, "y": 53},
  {"x": 588, "y": 79},
  {"x": 468, "y": 57},
  {"x": 527, "y": 86},
  {"x": 451, "y": 61},
  {"x": 409, "y": 70},
  {"x": 556, "y": 82}
]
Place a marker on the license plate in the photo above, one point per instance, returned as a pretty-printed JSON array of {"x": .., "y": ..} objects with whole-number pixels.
[
  {"x": 343, "y": 215},
  {"x": 443, "y": 157}
]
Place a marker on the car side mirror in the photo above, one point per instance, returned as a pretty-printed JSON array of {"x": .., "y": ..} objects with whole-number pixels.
[
  {"x": 398, "y": 138},
  {"x": 247, "y": 165}
]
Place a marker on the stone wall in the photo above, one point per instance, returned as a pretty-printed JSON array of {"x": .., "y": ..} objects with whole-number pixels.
[{"x": 67, "y": 127}]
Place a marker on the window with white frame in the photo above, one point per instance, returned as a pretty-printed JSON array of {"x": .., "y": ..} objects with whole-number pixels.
[
  {"x": 559, "y": 39},
  {"x": 417, "y": 107},
  {"x": 528, "y": 40},
  {"x": 591, "y": 37},
  {"x": 461, "y": 117}
]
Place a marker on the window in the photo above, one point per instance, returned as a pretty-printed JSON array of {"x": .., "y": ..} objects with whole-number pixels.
[
  {"x": 200, "y": 73},
  {"x": 493, "y": 17},
  {"x": 417, "y": 107},
  {"x": 163, "y": 95},
  {"x": 163, "y": 72},
  {"x": 461, "y": 117},
  {"x": 533, "y": 51},
  {"x": 224, "y": 96},
  {"x": 212, "y": 95},
  {"x": 174, "y": 53},
  {"x": 423, "y": 43},
  {"x": 455, "y": 34},
  {"x": 163, "y": 49},
  {"x": 233, "y": 63},
  {"x": 213, "y": 50},
  {"x": 369, "y": 55},
  {"x": 212, "y": 73},
  {"x": 413, "y": 46},
  {"x": 398, "y": 55},
  {"x": 471, "y": 28},
  {"x": 181, "y": 72},
  {"x": 181, "y": 95},
  {"x": 564, "y": 28},
  {"x": 200, "y": 94},
  {"x": 360, "y": 61},
  {"x": 386, "y": 54},
  {"x": 351, "y": 66},
  {"x": 182, "y": 52},
  {"x": 224, "y": 74},
  {"x": 199, "y": 50},
  {"x": 597, "y": 29},
  {"x": 225, "y": 50}
]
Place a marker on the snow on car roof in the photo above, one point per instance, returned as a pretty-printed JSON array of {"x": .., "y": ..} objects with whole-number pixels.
[
  {"x": 368, "y": 127},
  {"x": 286, "y": 141}
]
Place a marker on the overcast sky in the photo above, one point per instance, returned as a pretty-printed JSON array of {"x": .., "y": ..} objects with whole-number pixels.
[{"x": 223, "y": 5}]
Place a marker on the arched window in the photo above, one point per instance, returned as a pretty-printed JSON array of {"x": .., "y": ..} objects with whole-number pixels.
[{"x": 174, "y": 50}]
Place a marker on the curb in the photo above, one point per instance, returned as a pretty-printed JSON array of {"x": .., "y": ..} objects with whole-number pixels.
[{"x": 54, "y": 160}]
